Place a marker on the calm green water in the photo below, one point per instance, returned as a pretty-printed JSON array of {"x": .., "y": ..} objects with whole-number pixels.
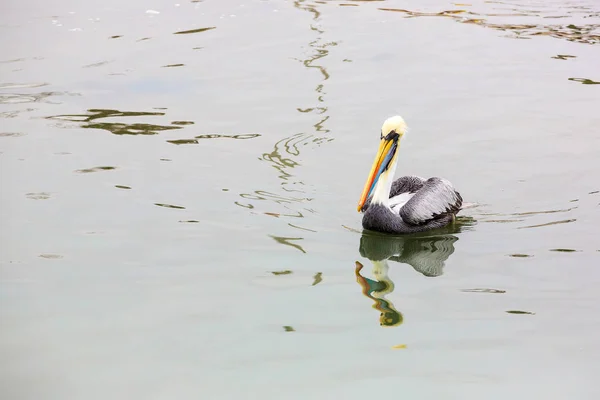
[{"x": 179, "y": 183}]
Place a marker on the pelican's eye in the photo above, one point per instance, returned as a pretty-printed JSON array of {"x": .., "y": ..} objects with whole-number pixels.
[{"x": 392, "y": 136}]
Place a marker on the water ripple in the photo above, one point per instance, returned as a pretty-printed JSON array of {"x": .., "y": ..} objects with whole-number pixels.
[
  {"x": 95, "y": 169},
  {"x": 285, "y": 153},
  {"x": 116, "y": 128},
  {"x": 196, "y": 139},
  {"x": 169, "y": 206},
  {"x": 564, "y": 221},
  {"x": 586, "y": 33},
  {"x": 199, "y": 30}
]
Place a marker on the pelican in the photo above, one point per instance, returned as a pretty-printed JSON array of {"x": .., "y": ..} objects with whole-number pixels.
[{"x": 411, "y": 203}]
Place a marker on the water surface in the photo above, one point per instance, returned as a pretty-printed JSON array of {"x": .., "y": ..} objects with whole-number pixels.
[{"x": 179, "y": 183}]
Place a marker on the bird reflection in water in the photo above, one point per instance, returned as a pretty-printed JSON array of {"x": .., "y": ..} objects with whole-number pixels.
[
  {"x": 377, "y": 289},
  {"x": 427, "y": 253}
]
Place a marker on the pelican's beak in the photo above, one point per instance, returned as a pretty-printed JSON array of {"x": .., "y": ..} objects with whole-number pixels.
[{"x": 385, "y": 153}]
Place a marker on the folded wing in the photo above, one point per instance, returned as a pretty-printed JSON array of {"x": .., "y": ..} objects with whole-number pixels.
[{"x": 435, "y": 199}]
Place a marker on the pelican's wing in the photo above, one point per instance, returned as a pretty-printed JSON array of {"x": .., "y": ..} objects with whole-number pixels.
[
  {"x": 436, "y": 198},
  {"x": 406, "y": 184},
  {"x": 397, "y": 202},
  {"x": 402, "y": 190}
]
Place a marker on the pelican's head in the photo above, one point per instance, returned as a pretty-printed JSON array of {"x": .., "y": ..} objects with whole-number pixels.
[
  {"x": 393, "y": 124},
  {"x": 392, "y": 130}
]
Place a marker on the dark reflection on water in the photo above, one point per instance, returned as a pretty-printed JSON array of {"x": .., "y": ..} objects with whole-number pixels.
[
  {"x": 426, "y": 252},
  {"x": 279, "y": 159},
  {"x": 321, "y": 51},
  {"x": 38, "y": 196},
  {"x": 522, "y": 216},
  {"x": 116, "y": 128},
  {"x": 183, "y": 141},
  {"x": 22, "y": 85},
  {"x": 213, "y": 136},
  {"x": 484, "y": 290},
  {"x": 284, "y": 272},
  {"x": 98, "y": 64},
  {"x": 288, "y": 242},
  {"x": 95, "y": 169},
  {"x": 15, "y": 113},
  {"x": 563, "y": 57},
  {"x": 11, "y": 134},
  {"x": 43, "y": 97},
  {"x": 169, "y": 206},
  {"x": 285, "y": 153},
  {"x": 301, "y": 228},
  {"x": 199, "y": 30},
  {"x": 218, "y": 136},
  {"x": 520, "y": 312},
  {"x": 563, "y": 221},
  {"x": 586, "y": 33},
  {"x": 263, "y": 195},
  {"x": 584, "y": 81},
  {"x": 318, "y": 278},
  {"x": 131, "y": 129}
]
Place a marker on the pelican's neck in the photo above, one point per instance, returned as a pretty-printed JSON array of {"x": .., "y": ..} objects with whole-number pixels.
[{"x": 381, "y": 194}]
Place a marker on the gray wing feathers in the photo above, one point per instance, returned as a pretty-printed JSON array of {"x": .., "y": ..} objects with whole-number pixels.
[
  {"x": 406, "y": 184},
  {"x": 436, "y": 198}
]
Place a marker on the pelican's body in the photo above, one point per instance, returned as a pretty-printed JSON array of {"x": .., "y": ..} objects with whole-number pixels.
[{"x": 409, "y": 204}]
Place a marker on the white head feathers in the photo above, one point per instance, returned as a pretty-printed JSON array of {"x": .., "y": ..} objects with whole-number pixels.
[{"x": 395, "y": 123}]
